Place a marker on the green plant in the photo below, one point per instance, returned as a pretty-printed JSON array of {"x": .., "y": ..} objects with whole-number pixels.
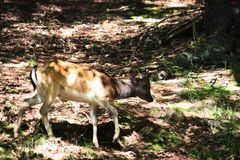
[
  {"x": 32, "y": 62},
  {"x": 160, "y": 140},
  {"x": 120, "y": 103},
  {"x": 34, "y": 140},
  {"x": 126, "y": 122},
  {"x": 220, "y": 140},
  {"x": 88, "y": 152},
  {"x": 172, "y": 67},
  {"x": 204, "y": 92},
  {"x": 5, "y": 153},
  {"x": 194, "y": 44},
  {"x": 187, "y": 83},
  {"x": 72, "y": 157},
  {"x": 10, "y": 89},
  {"x": 29, "y": 154},
  {"x": 221, "y": 145},
  {"x": 2, "y": 150}
]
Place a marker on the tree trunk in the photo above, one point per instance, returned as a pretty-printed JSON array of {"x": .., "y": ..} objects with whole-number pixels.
[
  {"x": 219, "y": 17},
  {"x": 222, "y": 21}
]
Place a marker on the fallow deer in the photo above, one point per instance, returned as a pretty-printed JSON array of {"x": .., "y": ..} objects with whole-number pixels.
[{"x": 83, "y": 84}]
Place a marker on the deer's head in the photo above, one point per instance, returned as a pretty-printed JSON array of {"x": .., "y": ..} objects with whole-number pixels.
[{"x": 142, "y": 88}]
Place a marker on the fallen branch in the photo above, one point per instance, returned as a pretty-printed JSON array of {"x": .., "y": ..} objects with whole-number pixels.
[
  {"x": 167, "y": 28},
  {"x": 181, "y": 28}
]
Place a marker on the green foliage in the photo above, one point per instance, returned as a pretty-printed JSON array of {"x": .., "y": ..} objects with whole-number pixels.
[
  {"x": 171, "y": 67},
  {"x": 72, "y": 157},
  {"x": 160, "y": 140},
  {"x": 28, "y": 154},
  {"x": 222, "y": 145},
  {"x": 175, "y": 115},
  {"x": 88, "y": 152},
  {"x": 2, "y": 150},
  {"x": 194, "y": 44},
  {"x": 222, "y": 112},
  {"x": 5, "y": 130},
  {"x": 204, "y": 92},
  {"x": 155, "y": 147},
  {"x": 28, "y": 145},
  {"x": 34, "y": 140},
  {"x": 120, "y": 104},
  {"x": 228, "y": 118},
  {"x": 187, "y": 83},
  {"x": 127, "y": 122},
  {"x": 209, "y": 51},
  {"x": 32, "y": 62},
  {"x": 10, "y": 89},
  {"x": 5, "y": 153},
  {"x": 220, "y": 139}
]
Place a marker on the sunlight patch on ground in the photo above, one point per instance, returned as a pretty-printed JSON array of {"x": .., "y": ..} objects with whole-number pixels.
[
  {"x": 142, "y": 19},
  {"x": 196, "y": 109},
  {"x": 173, "y": 81},
  {"x": 171, "y": 3},
  {"x": 57, "y": 149},
  {"x": 224, "y": 77},
  {"x": 176, "y": 3},
  {"x": 67, "y": 32},
  {"x": 50, "y": 8},
  {"x": 185, "y": 105},
  {"x": 126, "y": 155},
  {"x": 15, "y": 65}
]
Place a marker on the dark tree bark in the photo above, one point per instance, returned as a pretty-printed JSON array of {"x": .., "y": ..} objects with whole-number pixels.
[
  {"x": 219, "y": 17},
  {"x": 222, "y": 21}
]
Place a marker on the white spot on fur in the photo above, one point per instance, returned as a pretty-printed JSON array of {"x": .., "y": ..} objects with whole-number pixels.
[
  {"x": 71, "y": 78},
  {"x": 96, "y": 88}
]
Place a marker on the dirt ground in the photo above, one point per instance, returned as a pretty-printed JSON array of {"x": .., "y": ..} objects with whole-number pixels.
[{"x": 99, "y": 34}]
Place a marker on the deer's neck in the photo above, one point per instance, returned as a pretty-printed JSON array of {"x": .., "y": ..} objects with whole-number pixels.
[{"x": 124, "y": 89}]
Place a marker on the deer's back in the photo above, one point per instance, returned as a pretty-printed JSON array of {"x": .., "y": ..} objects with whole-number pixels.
[{"x": 75, "y": 82}]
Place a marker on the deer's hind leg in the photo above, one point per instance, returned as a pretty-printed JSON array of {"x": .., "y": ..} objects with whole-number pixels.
[
  {"x": 36, "y": 99},
  {"x": 94, "y": 118}
]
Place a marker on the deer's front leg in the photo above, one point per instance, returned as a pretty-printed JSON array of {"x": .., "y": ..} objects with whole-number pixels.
[
  {"x": 94, "y": 118},
  {"x": 36, "y": 99},
  {"x": 114, "y": 114}
]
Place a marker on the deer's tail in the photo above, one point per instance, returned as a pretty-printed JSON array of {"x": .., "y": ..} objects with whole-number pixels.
[{"x": 33, "y": 77}]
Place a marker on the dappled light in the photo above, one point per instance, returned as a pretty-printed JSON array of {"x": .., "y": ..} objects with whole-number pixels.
[{"x": 194, "y": 77}]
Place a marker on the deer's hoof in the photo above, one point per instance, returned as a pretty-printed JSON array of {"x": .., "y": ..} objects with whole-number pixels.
[
  {"x": 15, "y": 135},
  {"x": 50, "y": 135},
  {"x": 114, "y": 139},
  {"x": 96, "y": 145}
]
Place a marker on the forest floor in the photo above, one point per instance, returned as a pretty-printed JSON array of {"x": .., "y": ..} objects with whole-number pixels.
[{"x": 195, "y": 114}]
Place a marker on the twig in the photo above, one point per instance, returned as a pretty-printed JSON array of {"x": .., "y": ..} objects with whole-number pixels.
[{"x": 86, "y": 115}]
